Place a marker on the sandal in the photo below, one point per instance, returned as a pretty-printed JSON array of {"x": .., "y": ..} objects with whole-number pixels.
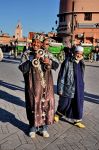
[{"x": 79, "y": 124}]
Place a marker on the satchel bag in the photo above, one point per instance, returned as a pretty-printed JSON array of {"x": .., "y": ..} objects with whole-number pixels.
[{"x": 24, "y": 67}]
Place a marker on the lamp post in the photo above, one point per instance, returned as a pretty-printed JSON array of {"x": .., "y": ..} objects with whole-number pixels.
[{"x": 72, "y": 23}]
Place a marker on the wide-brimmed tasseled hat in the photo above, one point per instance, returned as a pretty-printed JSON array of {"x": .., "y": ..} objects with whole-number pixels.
[{"x": 39, "y": 37}]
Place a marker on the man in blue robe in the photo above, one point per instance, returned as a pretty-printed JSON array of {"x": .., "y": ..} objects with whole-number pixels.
[{"x": 70, "y": 88}]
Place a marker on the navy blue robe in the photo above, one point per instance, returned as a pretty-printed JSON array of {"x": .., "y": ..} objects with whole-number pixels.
[{"x": 73, "y": 108}]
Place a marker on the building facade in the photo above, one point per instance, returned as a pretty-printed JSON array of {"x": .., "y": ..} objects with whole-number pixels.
[
  {"x": 6, "y": 39},
  {"x": 79, "y": 22},
  {"x": 18, "y": 31}
]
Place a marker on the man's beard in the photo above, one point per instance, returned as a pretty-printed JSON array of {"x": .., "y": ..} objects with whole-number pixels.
[{"x": 77, "y": 58}]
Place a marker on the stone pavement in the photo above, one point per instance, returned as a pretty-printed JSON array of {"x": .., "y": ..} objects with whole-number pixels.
[{"x": 63, "y": 135}]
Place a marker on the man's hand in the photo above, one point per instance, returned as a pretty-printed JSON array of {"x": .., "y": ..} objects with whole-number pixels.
[
  {"x": 47, "y": 60},
  {"x": 60, "y": 93}
]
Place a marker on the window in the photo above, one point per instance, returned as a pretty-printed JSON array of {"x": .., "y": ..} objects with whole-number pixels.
[{"x": 88, "y": 16}]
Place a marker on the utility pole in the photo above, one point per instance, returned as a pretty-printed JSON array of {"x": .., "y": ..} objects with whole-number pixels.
[{"x": 72, "y": 24}]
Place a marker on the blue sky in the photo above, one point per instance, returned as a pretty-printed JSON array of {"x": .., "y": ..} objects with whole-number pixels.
[{"x": 35, "y": 15}]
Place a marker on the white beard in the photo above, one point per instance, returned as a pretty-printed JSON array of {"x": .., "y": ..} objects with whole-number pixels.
[{"x": 78, "y": 59}]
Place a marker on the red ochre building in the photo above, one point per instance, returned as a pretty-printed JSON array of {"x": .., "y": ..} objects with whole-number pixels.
[{"x": 79, "y": 22}]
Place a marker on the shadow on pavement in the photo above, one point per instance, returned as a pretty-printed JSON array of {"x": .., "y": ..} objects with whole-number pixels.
[
  {"x": 11, "y": 86},
  {"x": 6, "y": 116},
  {"x": 10, "y": 61},
  {"x": 87, "y": 96},
  {"x": 91, "y": 98},
  {"x": 12, "y": 99},
  {"x": 92, "y": 66}
]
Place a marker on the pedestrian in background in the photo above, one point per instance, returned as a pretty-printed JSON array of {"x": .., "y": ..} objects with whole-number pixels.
[
  {"x": 67, "y": 52},
  {"x": 1, "y": 54},
  {"x": 45, "y": 47},
  {"x": 96, "y": 53},
  {"x": 39, "y": 92},
  {"x": 70, "y": 87}
]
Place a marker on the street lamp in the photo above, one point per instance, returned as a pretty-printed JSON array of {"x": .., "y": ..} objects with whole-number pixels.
[{"x": 72, "y": 23}]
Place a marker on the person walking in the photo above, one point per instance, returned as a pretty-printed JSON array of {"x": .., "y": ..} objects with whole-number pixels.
[
  {"x": 39, "y": 93},
  {"x": 45, "y": 47},
  {"x": 70, "y": 88},
  {"x": 1, "y": 54}
]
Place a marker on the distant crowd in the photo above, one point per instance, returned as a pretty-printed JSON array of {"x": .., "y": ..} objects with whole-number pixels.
[{"x": 12, "y": 50}]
